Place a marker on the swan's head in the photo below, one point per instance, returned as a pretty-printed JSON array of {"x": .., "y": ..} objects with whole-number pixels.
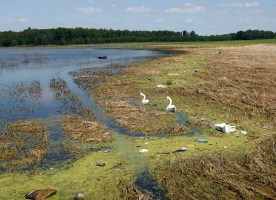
[
  {"x": 168, "y": 97},
  {"x": 141, "y": 94}
]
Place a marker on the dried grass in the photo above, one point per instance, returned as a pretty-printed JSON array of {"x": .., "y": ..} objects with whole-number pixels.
[
  {"x": 242, "y": 78},
  {"x": 22, "y": 144},
  {"x": 84, "y": 130},
  {"x": 224, "y": 175}
]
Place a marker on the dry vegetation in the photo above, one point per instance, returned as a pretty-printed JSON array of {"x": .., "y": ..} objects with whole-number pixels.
[
  {"x": 240, "y": 81},
  {"x": 84, "y": 130},
  {"x": 242, "y": 78},
  {"x": 22, "y": 144},
  {"x": 223, "y": 175}
]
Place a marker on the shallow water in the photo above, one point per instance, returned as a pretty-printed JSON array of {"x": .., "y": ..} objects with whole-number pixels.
[
  {"x": 27, "y": 91},
  {"x": 25, "y": 76}
]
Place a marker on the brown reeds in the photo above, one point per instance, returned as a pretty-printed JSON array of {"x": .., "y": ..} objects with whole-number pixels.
[
  {"x": 224, "y": 175},
  {"x": 242, "y": 78},
  {"x": 85, "y": 130},
  {"x": 22, "y": 144}
]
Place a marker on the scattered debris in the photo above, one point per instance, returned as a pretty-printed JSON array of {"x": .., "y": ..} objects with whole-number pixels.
[
  {"x": 101, "y": 164},
  {"x": 225, "y": 128},
  {"x": 41, "y": 194},
  {"x": 161, "y": 86},
  {"x": 201, "y": 140},
  {"x": 244, "y": 132},
  {"x": 173, "y": 74},
  {"x": 180, "y": 150},
  {"x": 143, "y": 150},
  {"x": 102, "y": 57},
  {"x": 106, "y": 151},
  {"x": 79, "y": 195}
]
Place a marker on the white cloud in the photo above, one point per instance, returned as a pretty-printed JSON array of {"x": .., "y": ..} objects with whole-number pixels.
[
  {"x": 186, "y": 8},
  {"x": 254, "y": 4},
  {"x": 89, "y": 10},
  {"x": 140, "y": 9},
  {"x": 231, "y": 4},
  {"x": 189, "y": 20},
  {"x": 238, "y": 4},
  {"x": 22, "y": 20}
]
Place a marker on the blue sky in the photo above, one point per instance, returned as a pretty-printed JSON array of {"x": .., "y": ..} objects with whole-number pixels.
[{"x": 205, "y": 17}]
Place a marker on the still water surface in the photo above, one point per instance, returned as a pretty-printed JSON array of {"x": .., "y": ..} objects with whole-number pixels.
[{"x": 25, "y": 76}]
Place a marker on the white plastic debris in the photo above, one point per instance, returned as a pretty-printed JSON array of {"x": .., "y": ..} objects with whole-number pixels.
[
  {"x": 244, "y": 132},
  {"x": 225, "y": 128},
  {"x": 161, "y": 86},
  {"x": 143, "y": 150}
]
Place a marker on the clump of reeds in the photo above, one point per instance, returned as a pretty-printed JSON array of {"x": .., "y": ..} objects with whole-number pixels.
[
  {"x": 128, "y": 191},
  {"x": 22, "y": 144},
  {"x": 238, "y": 174},
  {"x": 63, "y": 94},
  {"x": 85, "y": 130}
]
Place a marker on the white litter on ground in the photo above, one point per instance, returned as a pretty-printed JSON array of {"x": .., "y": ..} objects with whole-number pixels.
[
  {"x": 143, "y": 150},
  {"x": 225, "y": 128},
  {"x": 161, "y": 86}
]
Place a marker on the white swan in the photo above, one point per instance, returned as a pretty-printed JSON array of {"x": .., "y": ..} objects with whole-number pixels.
[
  {"x": 170, "y": 107},
  {"x": 144, "y": 101}
]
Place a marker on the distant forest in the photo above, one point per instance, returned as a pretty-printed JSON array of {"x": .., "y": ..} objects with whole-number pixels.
[{"x": 67, "y": 36}]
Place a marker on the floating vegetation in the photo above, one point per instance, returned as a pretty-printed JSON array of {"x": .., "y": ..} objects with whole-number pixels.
[
  {"x": 23, "y": 90},
  {"x": 23, "y": 97},
  {"x": 91, "y": 77},
  {"x": 113, "y": 69},
  {"x": 84, "y": 130},
  {"x": 22, "y": 145},
  {"x": 69, "y": 101},
  {"x": 84, "y": 135}
]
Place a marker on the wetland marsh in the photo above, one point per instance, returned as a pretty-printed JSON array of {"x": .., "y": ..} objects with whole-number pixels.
[{"x": 72, "y": 122}]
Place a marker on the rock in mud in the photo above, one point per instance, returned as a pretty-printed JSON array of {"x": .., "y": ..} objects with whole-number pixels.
[{"x": 41, "y": 194}]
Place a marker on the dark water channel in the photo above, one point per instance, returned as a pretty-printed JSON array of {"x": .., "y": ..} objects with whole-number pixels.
[{"x": 25, "y": 93}]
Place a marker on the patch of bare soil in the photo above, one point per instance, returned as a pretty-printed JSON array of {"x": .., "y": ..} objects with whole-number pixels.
[
  {"x": 84, "y": 130},
  {"x": 22, "y": 144},
  {"x": 243, "y": 78}
]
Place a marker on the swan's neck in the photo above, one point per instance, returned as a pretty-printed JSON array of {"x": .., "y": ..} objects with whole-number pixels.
[
  {"x": 144, "y": 96},
  {"x": 170, "y": 101}
]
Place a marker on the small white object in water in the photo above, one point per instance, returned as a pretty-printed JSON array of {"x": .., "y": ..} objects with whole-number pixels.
[
  {"x": 143, "y": 150},
  {"x": 161, "y": 86}
]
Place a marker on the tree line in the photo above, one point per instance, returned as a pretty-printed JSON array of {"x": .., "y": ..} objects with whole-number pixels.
[{"x": 67, "y": 36}]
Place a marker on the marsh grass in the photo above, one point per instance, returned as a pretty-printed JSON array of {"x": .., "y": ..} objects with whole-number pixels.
[
  {"x": 84, "y": 129},
  {"x": 246, "y": 173},
  {"x": 22, "y": 145}
]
